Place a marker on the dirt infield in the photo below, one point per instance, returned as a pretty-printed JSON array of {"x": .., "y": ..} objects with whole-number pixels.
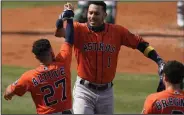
[{"x": 155, "y": 21}]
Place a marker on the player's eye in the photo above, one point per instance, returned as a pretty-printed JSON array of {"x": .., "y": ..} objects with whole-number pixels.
[
  {"x": 97, "y": 13},
  {"x": 93, "y": 13},
  {"x": 90, "y": 13}
]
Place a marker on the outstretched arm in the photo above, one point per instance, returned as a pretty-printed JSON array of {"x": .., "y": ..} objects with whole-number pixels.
[
  {"x": 66, "y": 48},
  {"x": 66, "y": 14},
  {"x": 19, "y": 87},
  {"x": 136, "y": 42},
  {"x": 149, "y": 52}
]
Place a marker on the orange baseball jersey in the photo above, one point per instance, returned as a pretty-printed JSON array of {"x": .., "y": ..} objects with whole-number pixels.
[
  {"x": 97, "y": 52},
  {"x": 165, "y": 102},
  {"x": 50, "y": 86}
]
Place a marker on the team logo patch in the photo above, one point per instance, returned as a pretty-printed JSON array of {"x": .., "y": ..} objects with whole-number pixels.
[
  {"x": 45, "y": 68},
  {"x": 176, "y": 92}
]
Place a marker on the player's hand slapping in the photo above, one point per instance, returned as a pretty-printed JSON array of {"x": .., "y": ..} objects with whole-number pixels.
[{"x": 68, "y": 12}]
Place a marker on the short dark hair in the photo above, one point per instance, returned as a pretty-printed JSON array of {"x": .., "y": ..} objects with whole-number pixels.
[
  {"x": 174, "y": 71},
  {"x": 41, "y": 47},
  {"x": 100, "y": 3}
]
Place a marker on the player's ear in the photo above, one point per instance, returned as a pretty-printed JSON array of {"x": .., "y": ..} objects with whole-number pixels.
[
  {"x": 105, "y": 14},
  {"x": 165, "y": 79}
]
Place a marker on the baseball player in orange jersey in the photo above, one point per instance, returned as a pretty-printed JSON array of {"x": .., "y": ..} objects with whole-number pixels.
[
  {"x": 96, "y": 46},
  {"x": 171, "y": 100},
  {"x": 50, "y": 83}
]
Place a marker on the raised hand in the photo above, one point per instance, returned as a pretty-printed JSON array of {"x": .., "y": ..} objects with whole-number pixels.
[{"x": 68, "y": 12}]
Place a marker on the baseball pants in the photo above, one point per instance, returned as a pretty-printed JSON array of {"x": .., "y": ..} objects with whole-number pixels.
[{"x": 92, "y": 101}]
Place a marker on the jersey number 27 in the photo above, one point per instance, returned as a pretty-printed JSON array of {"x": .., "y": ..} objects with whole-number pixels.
[{"x": 51, "y": 93}]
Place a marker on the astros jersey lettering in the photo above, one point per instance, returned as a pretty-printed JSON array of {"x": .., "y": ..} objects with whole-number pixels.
[
  {"x": 50, "y": 86},
  {"x": 97, "y": 52},
  {"x": 165, "y": 102}
]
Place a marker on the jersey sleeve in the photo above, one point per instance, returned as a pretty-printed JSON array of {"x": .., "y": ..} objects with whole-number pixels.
[
  {"x": 65, "y": 52},
  {"x": 129, "y": 39},
  {"x": 22, "y": 85}
]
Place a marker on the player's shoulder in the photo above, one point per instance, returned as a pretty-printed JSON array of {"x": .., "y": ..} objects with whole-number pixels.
[
  {"x": 75, "y": 22},
  {"x": 27, "y": 75},
  {"x": 157, "y": 96},
  {"x": 152, "y": 96},
  {"x": 117, "y": 27},
  {"x": 79, "y": 24}
]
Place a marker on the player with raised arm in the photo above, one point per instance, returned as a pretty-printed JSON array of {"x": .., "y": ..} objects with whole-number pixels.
[
  {"x": 50, "y": 83},
  {"x": 96, "y": 46}
]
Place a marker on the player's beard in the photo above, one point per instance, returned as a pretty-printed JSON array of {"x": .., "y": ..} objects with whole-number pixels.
[{"x": 96, "y": 22}]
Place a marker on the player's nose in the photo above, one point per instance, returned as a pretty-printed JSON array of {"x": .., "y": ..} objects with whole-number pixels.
[{"x": 93, "y": 17}]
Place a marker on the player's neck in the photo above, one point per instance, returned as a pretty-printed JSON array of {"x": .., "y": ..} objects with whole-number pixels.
[
  {"x": 97, "y": 28},
  {"x": 174, "y": 87},
  {"x": 46, "y": 63}
]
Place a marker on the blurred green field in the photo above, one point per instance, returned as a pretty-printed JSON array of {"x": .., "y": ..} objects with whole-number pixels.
[{"x": 129, "y": 91}]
